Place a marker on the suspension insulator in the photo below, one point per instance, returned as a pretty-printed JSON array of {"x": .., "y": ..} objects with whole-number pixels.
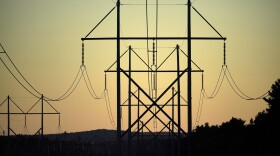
[
  {"x": 202, "y": 79},
  {"x": 59, "y": 120},
  {"x": 153, "y": 53},
  {"x": 83, "y": 53},
  {"x": 154, "y": 82},
  {"x": 105, "y": 81},
  {"x": 25, "y": 121},
  {"x": 224, "y": 53}
]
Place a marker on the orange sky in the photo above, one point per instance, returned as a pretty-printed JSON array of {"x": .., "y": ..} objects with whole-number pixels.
[{"x": 43, "y": 40}]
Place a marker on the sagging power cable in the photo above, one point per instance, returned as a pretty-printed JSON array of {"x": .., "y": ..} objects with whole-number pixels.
[
  {"x": 31, "y": 92},
  {"x": 217, "y": 86},
  {"x": 65, "y": 95},
  {"x": 18, "y": 80},
  {"x": 238, "y": 91},
  {"x": 108, "y": 107},
  {"x": 72, "y": 87},
  {"x": 29, "y": 84},
  {"x": 199, "y": 110},
  {"x": 226, "y": 73},
  {"x": 147, "y": 42},
  {"x": 89, "y": 86}
]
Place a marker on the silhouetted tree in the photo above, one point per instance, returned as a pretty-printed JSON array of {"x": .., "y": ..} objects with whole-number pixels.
[
  {"x": 233, "y": 125},
  {"x": 265, "y": 125},
  {"x": 268, "y": 118},
  {"x": 235, "y": 138},
  {"x": 273, "y": 100}
]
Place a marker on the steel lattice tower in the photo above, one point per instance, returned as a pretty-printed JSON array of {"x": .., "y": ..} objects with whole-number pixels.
[{"x": 130, "y": 141}]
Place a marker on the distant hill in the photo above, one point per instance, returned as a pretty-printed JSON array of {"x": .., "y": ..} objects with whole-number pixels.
[{"x": 100, "y": 135}]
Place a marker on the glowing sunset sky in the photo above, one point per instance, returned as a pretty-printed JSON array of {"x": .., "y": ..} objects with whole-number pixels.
[{"x": 43, "y": 38}]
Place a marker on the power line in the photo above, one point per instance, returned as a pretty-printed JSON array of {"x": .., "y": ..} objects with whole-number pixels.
[
  {"x": 108, "y": 107},
  {"x": 218, "y": 85},
  {"x": 241, "y": 94},
  {"x": 92, "y": 92},
  {"x": 50, "y": 99},
  {"x": 69, "y": 91},
  {"x": 74, "y": 83},
  {"x": 19, "y": 73},
  {"x": 156, "y": 27},
  {"x": 51, "y": 106},
  {"x": 153, "y": 4},
  {"x": 199, "y": 110},
  {"x": 18, "y": 79},
  {"x": 226, "y": 73},
  {"x": 147, "y": 42}
]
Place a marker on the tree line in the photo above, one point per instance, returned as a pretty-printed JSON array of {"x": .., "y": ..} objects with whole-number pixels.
[{"x": 231, "y": 138}]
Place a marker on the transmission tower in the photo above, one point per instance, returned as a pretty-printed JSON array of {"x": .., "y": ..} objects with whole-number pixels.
[
  {"x": 9, "y": 113},
  {"x": 151, "y": 106}
]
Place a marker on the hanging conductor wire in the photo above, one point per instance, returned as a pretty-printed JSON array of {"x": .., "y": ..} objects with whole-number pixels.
[
  {"x": 108, "y": 104},
  {"x": 147, "y": 42},
  {"x": 156, "y": 26},
  {"x": 218, "y": 85},
  {"x": 59, "y": 120},
  {"x": 226, "y": 73},
  {"x": 238, "y": 91},
  {"x": 202, "y": 81},
  {"x": 154, "y": 74},
  {"x": 31, "y": 92},
  {"x": 81, "y": 73},
  {"x": 72, "y": 87},
  {"x": 64, "y": 96},
  {"x": 154, "y": 92},
  {"x": 199, "y": 110},
  {"x": 89, "y": 86},
  {"x": 109, "y": 110}
]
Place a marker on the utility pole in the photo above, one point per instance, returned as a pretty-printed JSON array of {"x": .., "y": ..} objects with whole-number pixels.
[
  {"x": 9, "y": 116},
  {"x": 179, "y": 100},
  {"x": 118, "y": 82},
  {"x": 189, "y": 79},
  {"x": 42, "y": 118}
]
